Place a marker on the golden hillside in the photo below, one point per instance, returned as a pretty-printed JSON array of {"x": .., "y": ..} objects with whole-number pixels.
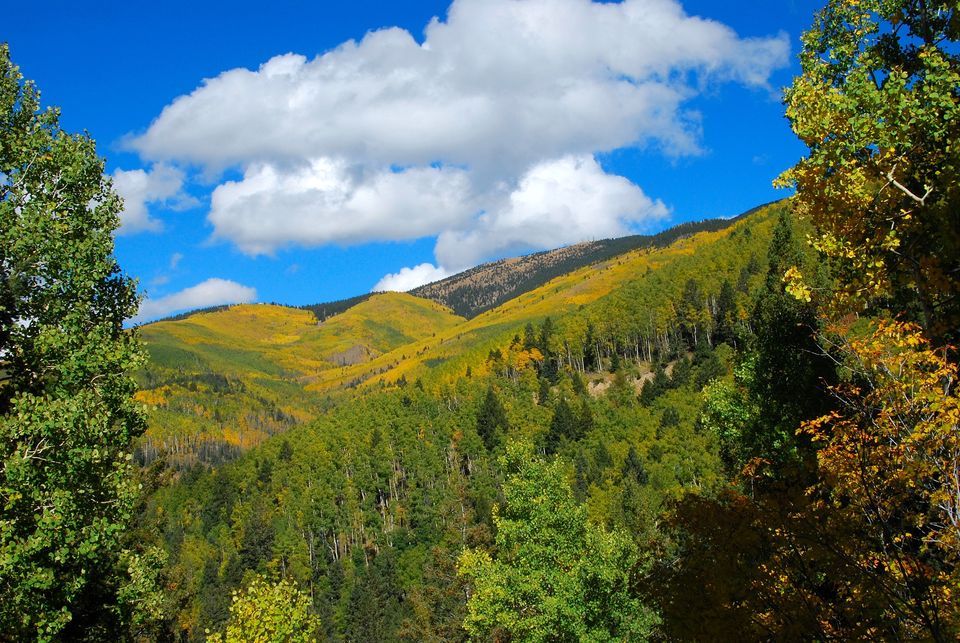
[{"x": 225, "y": 380}]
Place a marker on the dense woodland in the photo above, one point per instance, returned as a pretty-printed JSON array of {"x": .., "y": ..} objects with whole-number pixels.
[
  {"x": 370, "y": 507},
  {"x": 750, "y": 432}
]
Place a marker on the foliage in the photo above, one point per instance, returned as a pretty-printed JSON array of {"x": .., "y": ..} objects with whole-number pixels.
[
  {"x": 266, "y": 612},
  {"x": 370, "y": 504},
  {"x": 492, "y": 422},
  {"x": 221, "y": 382},
  {"x": 856, "y": 538},
  {"x": 890, "y": 464},
  {"x": 67, "y": 416},
  {"x": 877, "y": 104},
  {"x": 554, "y": 575}
]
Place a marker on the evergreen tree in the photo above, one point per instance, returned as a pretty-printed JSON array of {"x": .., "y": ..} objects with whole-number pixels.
[
  {"x": 492, "y": 422},
  {"x": 550, "y": 368},
  {"x": 530, "y": 337},
  {"x": 633, "y": 468},
  {"x": 726, "y": 314},
  {"x": 654, "y": 388},
  {"x": 563, "y": 426},
  {"x": 543, "y": 394},
  {"x": 791, "y": 372},
  {"x": 590, "y": 350},
  {"x": 579, "y": 385},
  {"x": 670, "y": 417},
  {"x": 375, "y": 602},
  {"x": 584, "y": 419}
]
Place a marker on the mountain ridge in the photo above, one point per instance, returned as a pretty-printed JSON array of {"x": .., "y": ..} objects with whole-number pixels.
[
  {"x": 474, "y": 291},
  {"x": 460, "y": 292}
]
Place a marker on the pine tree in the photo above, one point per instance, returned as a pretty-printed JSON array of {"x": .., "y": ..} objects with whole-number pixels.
[
  {"x": 492, "y": 422},
  {"x": 563, "y": 426}
]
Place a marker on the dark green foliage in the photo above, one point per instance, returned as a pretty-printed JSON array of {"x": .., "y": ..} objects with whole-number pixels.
[
  {"x": 543, "y": 394},
  {"x": 709, "y": 369},
  {"x": 549, "y": 368},
  {"x": 327, "y": 310},
  {"x": 726, "y": 315},
  {"x": 590, "y": 360},
  {"x": 682, "y": 372},
  {"x": 402, "y": 477},
  {"x": 562, "y": 427},
  {"x": 219, "y": 506},
  {"x": 633, "y": 468},
  {"x": 655, "y": 387},
  {"x": 376, "y": 602},
  {"x": 529, "y": 337},
  {"x": 492, "y": 422},
  {"x": 584, "y": 418},
  {"x": 790, "y": 370},
  {"x": 615, "y": 362},
  {"x": 257, "y": 540},
  {"x": 621, "y": 392},
  {"x": 67, "y": 415},
  {"x": 579, "y": 385},
  {"x": 286, "y": 451},
  {"x": 581, "y": 475},
  {"x": 670, "y": 417}
]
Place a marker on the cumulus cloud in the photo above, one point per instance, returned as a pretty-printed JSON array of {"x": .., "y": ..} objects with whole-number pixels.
[
  {"x": 328, "y": 201},
  {"x": 499, "y": 83},
  {"x": 212, "y": 292},
  {"x": 467, "y": 134},
  {"x": 162, "y": 184},
  {"x": 556, "y": 202},
  {"x": 409, "y": 278}
]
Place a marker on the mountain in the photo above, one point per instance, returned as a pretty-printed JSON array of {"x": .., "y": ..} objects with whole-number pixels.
[
  {"x": 372, "y": 502},
  {"x": 220, "y": 382},
  {"x": 488, "y": 285},
  {"x": 629, "y": 297}
]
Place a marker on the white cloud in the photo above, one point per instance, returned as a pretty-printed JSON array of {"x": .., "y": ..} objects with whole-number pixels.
[
  {"x": 470, "y": 134},
  {"x": 556, "y": 203},
  {"x": 175, "y": 260},
  {"x": 409, "y": 278},
  {"x": 212, "y": 292},
  {"x": 328, "y": 201},
  {"x": 498, "y": 84},
  {"x": 162, "y": 184}
]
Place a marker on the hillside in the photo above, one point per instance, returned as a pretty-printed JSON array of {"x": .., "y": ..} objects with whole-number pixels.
[
  {"x": 630, "y": 298},
  {"x": 373, "y": 502},
  {"x": 488, "y": 285},
  {"x": 221, "y": 381}
]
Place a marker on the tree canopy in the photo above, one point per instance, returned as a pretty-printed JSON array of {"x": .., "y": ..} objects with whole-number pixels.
[
  {"x": 67, "y": 416},
  {"x": 554, "y": 575}
]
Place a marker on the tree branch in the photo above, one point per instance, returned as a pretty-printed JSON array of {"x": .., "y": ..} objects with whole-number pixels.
[{"x": 922, "y": 200}]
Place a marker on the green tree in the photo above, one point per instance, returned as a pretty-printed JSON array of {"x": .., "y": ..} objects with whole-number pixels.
[
  {"x": 554, "y": 575},
  {"x": 878, "y": 107},
  {"x": 67, "y": 415},
  {"x": 563, "y": 427},
  {"x": 492, "y": 422},
  {"x": 726, "y": 314},
  {"x": 268, "y": 612},
  {"x": 789, "y": 370}
]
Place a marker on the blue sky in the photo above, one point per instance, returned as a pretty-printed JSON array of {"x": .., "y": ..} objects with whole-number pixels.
[{"x": 266, "y": 157}]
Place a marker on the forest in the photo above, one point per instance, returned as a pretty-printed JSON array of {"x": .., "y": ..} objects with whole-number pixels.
[{"x": 746, "y": 429}]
